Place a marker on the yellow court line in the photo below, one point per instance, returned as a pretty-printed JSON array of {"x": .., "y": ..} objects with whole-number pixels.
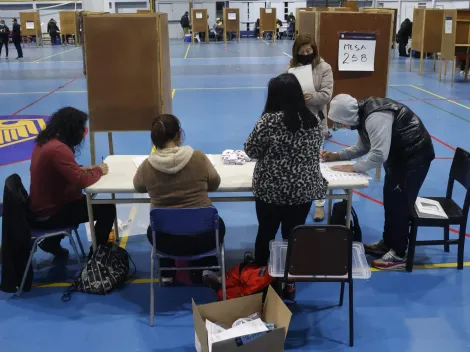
[
  {"x": 173, "y": 93},
  {"x": 429, "y": 266},
  {"x": 221, "y": 88},
  {"x": 62, "y": 52},
  {"x": 440, "y": 96},
  {"x": 187, "y": 51}
]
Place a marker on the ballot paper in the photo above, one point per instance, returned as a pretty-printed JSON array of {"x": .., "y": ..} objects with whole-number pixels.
[
  {"x": 139, "y": 160},
  {"x": 430, "y": 209},
  {"x": 332, "y": 175},
  {"x": 251, "y": 327},
  {"x": 305, "y": 77}
]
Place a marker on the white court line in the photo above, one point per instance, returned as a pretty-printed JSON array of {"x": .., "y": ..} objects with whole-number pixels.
[
  {"x": 287, "y": 54},
  {"x": 62, "y": 52}
]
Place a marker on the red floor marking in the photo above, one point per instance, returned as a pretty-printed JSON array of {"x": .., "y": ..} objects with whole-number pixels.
[
  {"x": 338, "y": 143},
  {"x": 443, "y": 143},
  {"x": 44, "y": 96},
  {"x": 381, "y": 203}
]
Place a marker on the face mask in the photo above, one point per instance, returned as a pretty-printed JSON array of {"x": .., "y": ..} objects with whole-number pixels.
[{"x": 305, "y": 59}]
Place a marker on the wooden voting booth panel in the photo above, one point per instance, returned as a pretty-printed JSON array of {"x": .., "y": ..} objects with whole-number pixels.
[
  {"x": 267, "y": 22},
  {"x": 69, "y": 23},
  {"x": 359, "y": 84},
  {"x": 386, "y": 10},
  {"x": 231, "y": 19},
  {"x": 199, "y": 23},
  {"x": 351, "y": 5},
  {"x": 297, "y": 16},
  {"x": 448, "y": 41},
  {"x": 306, "y": 22},
  {"x": 340, "y": 9},
  {"x": 128, "y": 84},
  {"x": 144, "y": 11},
  {"x": 427, "y": 33},
  {"x": 30, "y": 25}
]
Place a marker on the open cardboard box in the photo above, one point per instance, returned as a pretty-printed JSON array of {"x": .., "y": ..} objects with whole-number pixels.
[{"x": 226, "y": 312}]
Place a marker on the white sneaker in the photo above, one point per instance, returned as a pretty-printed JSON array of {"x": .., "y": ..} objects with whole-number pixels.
[{"x": 390, "y": 261}]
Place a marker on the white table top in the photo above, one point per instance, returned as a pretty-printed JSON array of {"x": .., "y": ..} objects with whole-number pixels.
[{"x": 234, "y": 178}]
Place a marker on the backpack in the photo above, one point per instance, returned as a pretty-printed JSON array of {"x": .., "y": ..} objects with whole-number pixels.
[
  {"x": 107, "y": 269},
  {"x": 338, "y": 217},
  {"x": 246, "y": 279}
]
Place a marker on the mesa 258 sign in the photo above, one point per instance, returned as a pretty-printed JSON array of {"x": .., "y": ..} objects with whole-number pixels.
[
  {"x": 356, "y": 51},
  {"x": 17, "y": 134}
]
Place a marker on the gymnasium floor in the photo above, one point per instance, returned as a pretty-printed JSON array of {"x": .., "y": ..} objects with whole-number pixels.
[{"x": 219, "y": 92}]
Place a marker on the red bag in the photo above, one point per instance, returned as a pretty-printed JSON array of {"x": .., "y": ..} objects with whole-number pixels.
[{"x": 246, "y": 279}]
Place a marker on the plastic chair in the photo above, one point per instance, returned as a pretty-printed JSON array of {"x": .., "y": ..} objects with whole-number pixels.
[
  {"x": 460, "y": 172},
  {"x": 38, "y": 236},
  {"x": 324, "y": 254},
  {"x": 184, "y": 221}
]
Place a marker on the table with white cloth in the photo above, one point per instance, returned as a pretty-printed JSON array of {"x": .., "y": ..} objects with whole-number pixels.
[{"x": 235, "y": 186}]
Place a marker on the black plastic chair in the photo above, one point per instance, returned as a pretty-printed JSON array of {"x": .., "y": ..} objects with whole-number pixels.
[
  {"x": 460, "y": 172},
  {"x": 325, "y": 254}
]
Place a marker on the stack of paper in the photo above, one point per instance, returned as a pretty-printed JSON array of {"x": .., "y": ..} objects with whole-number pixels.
[{"x": 332, "y": 175}]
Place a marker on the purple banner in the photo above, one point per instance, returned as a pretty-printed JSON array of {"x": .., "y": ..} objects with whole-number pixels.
[{"x": 17, "y": 134}]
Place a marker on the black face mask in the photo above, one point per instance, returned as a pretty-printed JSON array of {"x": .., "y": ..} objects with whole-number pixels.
[{"x": 305, "y": 59}]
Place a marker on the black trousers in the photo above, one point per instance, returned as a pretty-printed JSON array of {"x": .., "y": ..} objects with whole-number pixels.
[
  {"x": 2, "y": 43},
  {"x": 401, "y": 188},
  {"x": 402, "y": 47},
  {"x": 186, "y": 245},
  {"x": 53, "y": 37},
  {"x": 76, "y": 213},
  {"x": 18, "y": 47},
  {"x": 270, "y": 217}
]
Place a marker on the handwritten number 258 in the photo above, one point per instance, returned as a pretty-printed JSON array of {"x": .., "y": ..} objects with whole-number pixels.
[{"x": 354, "y": 58}]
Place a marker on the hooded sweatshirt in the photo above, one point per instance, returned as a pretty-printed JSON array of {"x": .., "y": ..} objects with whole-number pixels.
[
  {"x": 177, "y": 178},
  {"x": 344, "y": 109}
]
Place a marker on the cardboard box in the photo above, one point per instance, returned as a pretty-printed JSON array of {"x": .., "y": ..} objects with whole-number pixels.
[{"x": 226, "y": 312}]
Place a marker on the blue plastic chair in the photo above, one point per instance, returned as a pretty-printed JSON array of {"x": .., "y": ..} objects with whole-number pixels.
[
  {"x": 184, "y": 221},
  {"x": 38, "y": 236}
]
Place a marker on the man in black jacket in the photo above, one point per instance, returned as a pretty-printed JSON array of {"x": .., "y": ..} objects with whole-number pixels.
[
  {"x": 404, "y": 33},
  {"x": 185, "y": 23},
  {"x": 53, "y": 29},
  {"x": 16, "y": 38},
  {"x": 393, "y": 135},
  {"x": 4, "y": 36}
]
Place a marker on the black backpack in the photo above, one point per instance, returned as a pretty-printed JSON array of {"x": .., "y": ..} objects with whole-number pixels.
[{"x": 338, "y": 217}]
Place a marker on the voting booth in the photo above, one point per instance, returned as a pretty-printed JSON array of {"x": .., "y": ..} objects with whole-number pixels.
[
  {"x": 199, "y": 23},
  {"x": 69, "y": 25},
  {"x": 231, "y": 22},
  {"x": 30, "y": 26},
  {"x": 267, "y": 22}
]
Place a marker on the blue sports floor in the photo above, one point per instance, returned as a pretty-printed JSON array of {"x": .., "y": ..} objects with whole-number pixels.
[{"x": 219, "y": 93}]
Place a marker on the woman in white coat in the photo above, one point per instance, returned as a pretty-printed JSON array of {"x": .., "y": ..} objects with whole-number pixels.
[{"x": 305, "y": 52}]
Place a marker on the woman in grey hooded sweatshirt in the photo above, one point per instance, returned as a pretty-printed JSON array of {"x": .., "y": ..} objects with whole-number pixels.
[{"x": 305, "y": 52}]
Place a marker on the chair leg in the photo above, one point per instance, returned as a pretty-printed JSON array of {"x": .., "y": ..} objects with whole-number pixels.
[
  {"x": 79, "y": 243},
  {"x": 28, "y": 264},
  {"x": 446, "y": 238},
  {"x": 351, "y": 314},
  {"x": 152, "y": 289},
  {"x": 74, "y": 247},
  {"x": 411, "y": 248},
  {"x": 159, "y": 271},
  {"x": 222, "y": 264},
  {"x": 461, "y": 247},
  {"x": 341, "y": 294}
]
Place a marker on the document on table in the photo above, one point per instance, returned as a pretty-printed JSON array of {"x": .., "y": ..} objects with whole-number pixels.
[
  {"x": 331, "y": 175},
  {"x": 251, "y": 327},
  {"x": 305, "y": 77},
  {"x": 139, "y": 160}
]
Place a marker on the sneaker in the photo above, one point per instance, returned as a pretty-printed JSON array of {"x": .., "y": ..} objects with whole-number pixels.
[
  {"x": 319, "y": 214},
  {"x": 329, "y": 135},
  {"x": 289, "y": 292},
  {"x": 378, "y": 249},
  {"x": 390, "y": 261}
]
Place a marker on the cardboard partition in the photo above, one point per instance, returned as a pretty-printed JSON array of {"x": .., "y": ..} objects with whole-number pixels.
[
  {"x": 358, "y": 84},
  {"x": 385, "y": 10},
  {"x": 199, "y": 23},
  {"x": 144, "y": 11},
  {"x": 267, "y": 21},
  {"x": 297, "y": 15},
  {"x": 68, "y": 22},
  {"x": 226, "y": 312},
  {"x": 306, "y": 22},
  {"x": 448, "y": 35},
  {"x": 427, "y": 30},
  {"x": 128, "y": 84},
  {"x": 351, "y": 5},
  {"x": 28, "y": 20}
]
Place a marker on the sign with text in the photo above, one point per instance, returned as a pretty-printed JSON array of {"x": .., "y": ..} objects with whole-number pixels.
[
  {"x": 448, "y": 25},
  {"x": 356, "y": 51}
]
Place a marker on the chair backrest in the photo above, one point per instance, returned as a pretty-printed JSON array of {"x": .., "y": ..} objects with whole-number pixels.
[
  {"x": 184, "y": 221},
  {"x": 460, "y": 172},
  {"x": 319, "y": 251}
]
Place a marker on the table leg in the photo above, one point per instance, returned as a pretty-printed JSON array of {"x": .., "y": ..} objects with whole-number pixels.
[
  {"x": 91, "y": 220},
  {"x": 349, "y": 195},
  {"x": 116, "y": 227},
  {"x": 330, "y": 206}
]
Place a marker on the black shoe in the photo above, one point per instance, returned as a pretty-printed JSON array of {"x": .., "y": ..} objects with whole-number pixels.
[
  {"x": 289, "y": 292},
  {"x": 55, "y": 250}
]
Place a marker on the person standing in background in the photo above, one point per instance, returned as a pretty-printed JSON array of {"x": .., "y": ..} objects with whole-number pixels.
[
  {"x": 305, "y": 52},
  {"x": 185, "y": 23},
  {"x": 16, "y": 38},
  {"x": 403, "y": 35},
  {"x": 4, "y": 37},
  {"x": 53, "y": 29}
]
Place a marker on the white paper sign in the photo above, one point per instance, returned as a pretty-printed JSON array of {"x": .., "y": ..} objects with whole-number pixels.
[
  {"x": 448, "y": 25},
  {"x": 356, "y": 51},
  {"x": 232, "y": 16},
  {"x": 269, "y": 11},
  {"x": 29, "y": 25},
  {"x": 199, "y": 15}
]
